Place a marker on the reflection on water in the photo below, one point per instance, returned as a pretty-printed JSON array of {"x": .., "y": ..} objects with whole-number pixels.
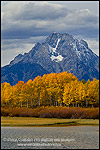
[{"x": 74, "y": 137}]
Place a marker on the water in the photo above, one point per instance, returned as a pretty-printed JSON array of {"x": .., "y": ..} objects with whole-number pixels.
[{"x": 74, "y": 137}]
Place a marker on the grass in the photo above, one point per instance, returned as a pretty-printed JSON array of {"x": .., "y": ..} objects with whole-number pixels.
[{"x": 30, "y": 121}]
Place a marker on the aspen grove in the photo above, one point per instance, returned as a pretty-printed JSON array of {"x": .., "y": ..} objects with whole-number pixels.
[{"x": 54, "y": 89}]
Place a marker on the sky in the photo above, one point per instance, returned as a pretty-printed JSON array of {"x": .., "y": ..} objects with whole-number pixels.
[{"x": 24, "y": 23}]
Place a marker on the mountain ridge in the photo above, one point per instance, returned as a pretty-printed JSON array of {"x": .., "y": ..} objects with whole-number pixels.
[{"x": 60, "y": 52}]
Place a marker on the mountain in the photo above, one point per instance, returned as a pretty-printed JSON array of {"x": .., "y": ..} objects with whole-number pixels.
[{"x": 60, "y": 52}]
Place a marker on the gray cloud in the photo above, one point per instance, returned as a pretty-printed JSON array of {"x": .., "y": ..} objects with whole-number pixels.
[
  {"x": 24, "y": 23},
  {"x": 36, "y": 19},
  {"x": 37, "y": 11},
  {"x": 19, "y": 43}
]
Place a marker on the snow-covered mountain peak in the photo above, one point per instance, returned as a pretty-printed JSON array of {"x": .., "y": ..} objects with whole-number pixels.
[{"x": 60, "y": 52}]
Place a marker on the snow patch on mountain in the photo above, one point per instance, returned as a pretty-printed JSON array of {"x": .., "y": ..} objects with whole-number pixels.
[
  {"x": 55, "y": 56},
  {"x": 75, "y": 48}
]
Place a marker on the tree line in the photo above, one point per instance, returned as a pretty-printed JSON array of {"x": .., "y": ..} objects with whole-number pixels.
[{"x": 54, "y": 89}]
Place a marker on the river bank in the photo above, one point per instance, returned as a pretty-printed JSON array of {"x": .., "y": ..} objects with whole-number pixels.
[{"x": 32, "y": 121}]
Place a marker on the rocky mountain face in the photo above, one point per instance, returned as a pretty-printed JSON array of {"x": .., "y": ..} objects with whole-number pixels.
[{"x": 60, "y": 52}]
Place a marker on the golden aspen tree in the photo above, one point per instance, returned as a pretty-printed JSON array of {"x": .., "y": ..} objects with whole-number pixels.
[
  {"x": 81, "y": 93},
  {"x": 87, "y": 98},
  {"x": 17, "y": 92},
  {"x": 96, "y": 91},
  {"x": 31, "y": 91},
  {"x": 44, "y": 93},
  {"x": 38, "y": 85},
  {"x": 44, "y": 96},
  {"x": 53, "y": 88},
  {"x": 71, "y": 93},
  {"x": 24, "y": 95},
  {"x": 93, "y": 92},
  {"x": 2, "y": 95},
  {"x": 6, "y": 93},
  {"x": 47, "y": 88},
  {"x": 63, "y": 78},
  {"x": 67, "y": 96}
]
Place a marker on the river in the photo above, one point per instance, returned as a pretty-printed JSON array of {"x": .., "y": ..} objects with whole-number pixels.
[{"x": 72, "y": 137}]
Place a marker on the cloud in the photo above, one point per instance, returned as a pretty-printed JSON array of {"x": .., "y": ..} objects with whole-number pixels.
[
  {"x": 30, "y": 19},
  {"x": 34, "y": 10},
  {"x": 17, "y": 43},
  {"x": 36, "y": 19},
  {"x": 24, "y": 23}
]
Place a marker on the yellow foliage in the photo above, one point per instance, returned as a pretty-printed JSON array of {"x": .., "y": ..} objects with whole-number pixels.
[{"x": 51, "y": 89}]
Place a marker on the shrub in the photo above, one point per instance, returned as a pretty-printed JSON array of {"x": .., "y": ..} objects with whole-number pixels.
[{"x": 51, "y": 112}]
